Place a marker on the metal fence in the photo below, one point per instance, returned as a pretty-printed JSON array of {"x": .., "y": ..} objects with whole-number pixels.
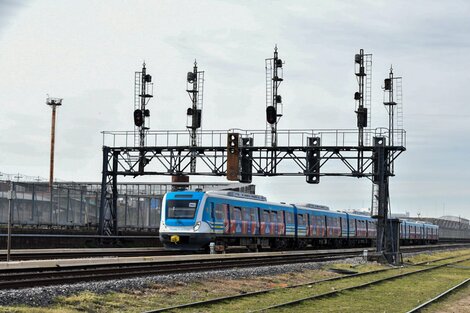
[
  {"x": 287, "y": 138},
  {"x": 76, "y": 205}
]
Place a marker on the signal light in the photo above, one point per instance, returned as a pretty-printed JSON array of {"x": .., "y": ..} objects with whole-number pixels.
[
  {"x": 147, "y": 113},
  {"x": 138, "y": 118},
  {"x": 313, "y": 159},
  {"x": 388, "y": 84},
  {"x": 197, "y": 118},
  {"x": 378, "y": 157},
  {"x": 361, "y": 117},
  {"x": 191, "y": 77},
  {"x": 278, "y": 99},
  {"x": 279, "y": 63},
  {"x": 357, "y": 58},
  {"x": 233, "y": 169},
  {"x": 246, "y": 161},
  {"x": 271, "y": 115},
  {"x": 357, "y": 96},
  {"x": 148, "y": 78}
]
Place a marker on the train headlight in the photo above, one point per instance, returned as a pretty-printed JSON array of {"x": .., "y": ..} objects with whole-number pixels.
[{"x": 197, "y": 226}]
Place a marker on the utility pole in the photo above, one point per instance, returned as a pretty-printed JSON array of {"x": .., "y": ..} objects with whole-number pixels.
[
  {"x": 53, "y": 103},
  {"x": 11, "y": 196}
]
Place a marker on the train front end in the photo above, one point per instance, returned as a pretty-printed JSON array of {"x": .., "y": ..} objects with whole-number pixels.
[{"x": 182, "y": 226}]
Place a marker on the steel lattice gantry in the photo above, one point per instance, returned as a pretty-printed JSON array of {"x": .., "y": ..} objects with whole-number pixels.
[{"x": 234, "y": 154}]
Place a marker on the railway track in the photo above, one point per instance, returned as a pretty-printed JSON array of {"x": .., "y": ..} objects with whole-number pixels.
[
  {"x": 49, "y": 254},
  {"x": 116, "y": 268},
  {"x": 31, "y": 277},
  {"x": 198, "y": 304}
]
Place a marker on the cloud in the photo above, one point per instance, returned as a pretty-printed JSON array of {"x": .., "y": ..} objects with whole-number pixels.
[
  {"x": 91, "y": 65},
  {"x": 8, "y": 10}
]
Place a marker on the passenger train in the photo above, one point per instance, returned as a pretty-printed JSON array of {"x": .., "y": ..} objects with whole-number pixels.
[{"x": 191, "y": 220}]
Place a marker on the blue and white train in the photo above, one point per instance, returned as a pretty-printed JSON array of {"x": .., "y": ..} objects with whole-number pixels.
[{"x": 191, "y": 220}]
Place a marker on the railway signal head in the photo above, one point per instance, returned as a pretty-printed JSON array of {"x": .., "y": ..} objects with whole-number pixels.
[
  {"x": 271, "y": 114},
  {"x": 138, "y": 118}
]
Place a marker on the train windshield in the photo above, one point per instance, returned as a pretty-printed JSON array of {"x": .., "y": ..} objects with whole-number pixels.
[{"x": 182, "y": 209}]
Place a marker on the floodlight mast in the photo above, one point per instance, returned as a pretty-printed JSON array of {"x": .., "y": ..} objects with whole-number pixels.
[{"x": 53, "y": 103}]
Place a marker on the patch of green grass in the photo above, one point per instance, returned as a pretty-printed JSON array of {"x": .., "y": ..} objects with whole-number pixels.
[
  {"x": 426, "y": 257},
  {"x": 398, "y": 295}
]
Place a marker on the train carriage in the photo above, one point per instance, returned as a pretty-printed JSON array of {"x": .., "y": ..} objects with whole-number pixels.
[{"x": 191, "y": 220}]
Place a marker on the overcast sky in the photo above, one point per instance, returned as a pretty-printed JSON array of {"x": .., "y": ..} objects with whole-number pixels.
[{"x": 87, "y": 52}]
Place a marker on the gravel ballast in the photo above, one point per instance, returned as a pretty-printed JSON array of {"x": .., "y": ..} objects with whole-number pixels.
[{"x": 44, "y": 296}]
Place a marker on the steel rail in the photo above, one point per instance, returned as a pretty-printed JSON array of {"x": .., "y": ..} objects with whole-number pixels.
[
  {"x": 440, "y": 296},
  {"x": 254, "y": 293}
]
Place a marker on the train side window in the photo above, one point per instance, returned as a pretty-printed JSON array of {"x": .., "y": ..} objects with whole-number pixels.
[
  {"x": 253, "y": 216},
  {"x": 352, "y": 224},
  {"x": 209, "y": 209},
  {"x": 321, "y": 221},
  {"x": 246, "y": 214},
  {"x": 219, "y": 211},
  {"x": 265, "y": 216},
  {"x": 236, "y": 213},
  {"x": 300, "y": 218},
  {"x": 289, "y": 218},
  {"x": 273, "y": 216}
]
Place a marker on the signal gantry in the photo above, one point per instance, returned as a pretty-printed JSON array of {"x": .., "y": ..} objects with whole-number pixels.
[{"x": 237, "y": 154}]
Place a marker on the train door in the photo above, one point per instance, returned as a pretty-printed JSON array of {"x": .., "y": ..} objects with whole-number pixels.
[
  {"x": 344, "y": 227},
  {"x": 274, "y": 224},
  {"x": 265, "y": 225},
  {"x": 210, "y": 216},
  {"x": 246, "y": 221},
  {"x": 282, "y": 227},
  {"x": 219, "y": 222},
  {"x": 290, "y": 224},
  {"x": 226, "y": 211},
  {"x": 253, "y": 221},
  {"x": 312, "y": 226},
  {"x": 301, "y": 228},
  {"x": 352, "y": 227},
  {"x": 235, "y": 220},
  {"x": 258, "y": 220}
]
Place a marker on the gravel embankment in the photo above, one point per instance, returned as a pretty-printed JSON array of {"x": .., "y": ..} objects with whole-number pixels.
[{"x": 43, "y": 296}]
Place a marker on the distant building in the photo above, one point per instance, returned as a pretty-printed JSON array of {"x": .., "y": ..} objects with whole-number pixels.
[
  {"x": 455, "y": 219},
  {"x": 401, "y": 215}
]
